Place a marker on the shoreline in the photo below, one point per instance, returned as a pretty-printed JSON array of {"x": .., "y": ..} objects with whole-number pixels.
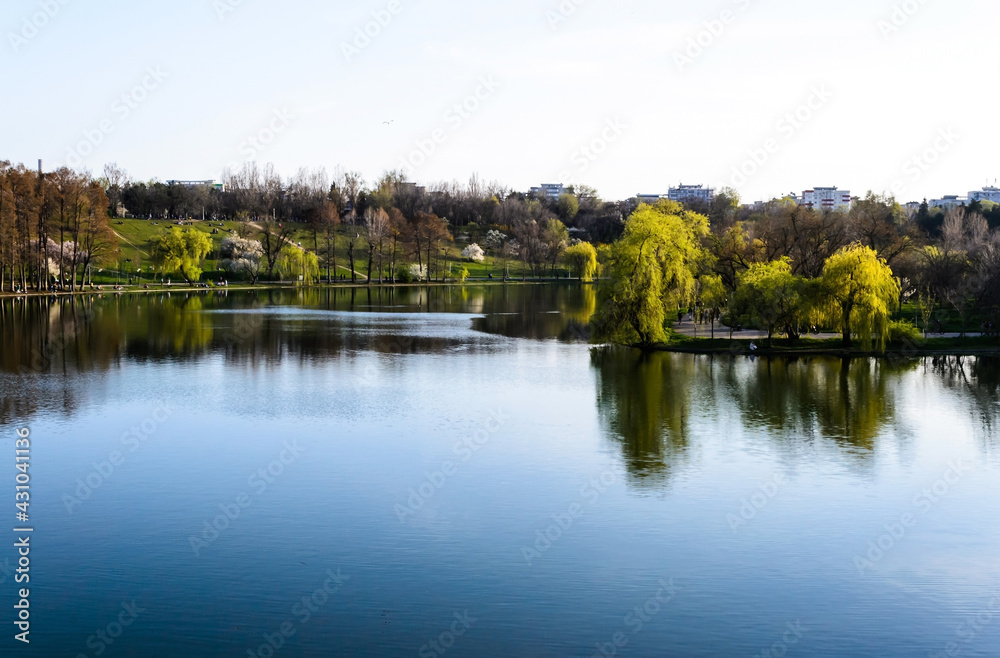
[
  {"x": 937, "y": 347},
  {"x": 278, "y": 286}
]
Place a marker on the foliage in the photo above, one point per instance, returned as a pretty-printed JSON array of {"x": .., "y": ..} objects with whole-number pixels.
[
  {"x": 182, "y": 251},
  {"x": 242, "y": 256},
  {"x": 859, "y": 294},
  {"x": 582, "y": 260},
  {"x": 568, "y": 206},
  {"x": 903, "y": 332},
  {"x": 771, "y": 297},
  {"x": 651, "y": 273},
  {"x": 299, "y": 265},
  {"x": 474, "y": 253}
]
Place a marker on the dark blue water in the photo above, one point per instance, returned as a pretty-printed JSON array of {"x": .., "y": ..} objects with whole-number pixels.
[{"x": 458, "y": 473}]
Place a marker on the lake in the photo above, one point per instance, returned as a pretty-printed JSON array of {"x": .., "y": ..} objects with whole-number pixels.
[{"x": 456, "y": 471}]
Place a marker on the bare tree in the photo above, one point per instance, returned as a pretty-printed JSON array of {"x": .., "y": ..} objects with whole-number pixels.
[{"x": 378, "y": 225}]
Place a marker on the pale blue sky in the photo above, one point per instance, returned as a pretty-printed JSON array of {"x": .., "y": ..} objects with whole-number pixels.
[{"x": 553, "y": 89}]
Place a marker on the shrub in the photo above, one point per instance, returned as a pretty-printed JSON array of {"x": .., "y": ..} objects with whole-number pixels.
[{"x": 903, "y": 331}]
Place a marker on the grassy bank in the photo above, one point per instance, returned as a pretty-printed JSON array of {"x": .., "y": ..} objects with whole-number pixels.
[{"x": 136, "y": 238}]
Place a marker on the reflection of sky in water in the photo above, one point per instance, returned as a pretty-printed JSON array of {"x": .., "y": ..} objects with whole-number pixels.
[{"x": 381, "y": 401}]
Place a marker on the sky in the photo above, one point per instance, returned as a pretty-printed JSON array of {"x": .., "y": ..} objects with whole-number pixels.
[{"x": 628, "y": 97}]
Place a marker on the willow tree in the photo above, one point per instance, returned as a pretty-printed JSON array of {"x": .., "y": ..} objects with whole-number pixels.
[
  {"x": 183, "y": 252},
  {"x": 771, "y": 297},
  {"x": 299, "y": 265},
  {"x": 651, "y": 273},
  {"x": 859, "y": 295},
  {"x": 582, "y": 260}
]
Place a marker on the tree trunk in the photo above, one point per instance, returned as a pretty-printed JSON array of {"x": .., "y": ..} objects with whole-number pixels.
[{"x": 350, "y": 256}]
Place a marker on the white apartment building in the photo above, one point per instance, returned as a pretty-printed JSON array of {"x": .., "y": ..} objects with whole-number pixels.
[
  {"x": 947, "y": 202},
  {"x": 986, "y": 194},
  {"x": 826, "y": 198},
  {"x": 691, "y": 193},
  {"x": 550, "y": 190}
]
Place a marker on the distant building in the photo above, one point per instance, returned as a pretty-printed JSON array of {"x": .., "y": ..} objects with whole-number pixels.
[
  {"x": 947, "y": 202},
  {"x": 986, "y": 194},
  {"x": 550, "y": 190},
  {"x": 826, "y": 198},
  {"x": 691, "y": 193},
  {"x": 199, "y": 183},
  {"x": 651, "y": 198}
]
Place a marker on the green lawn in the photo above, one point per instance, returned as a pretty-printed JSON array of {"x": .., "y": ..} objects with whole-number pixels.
[{"x": 136, "y": 237}]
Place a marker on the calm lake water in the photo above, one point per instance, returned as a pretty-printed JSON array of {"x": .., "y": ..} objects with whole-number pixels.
[{"x": 432, "y": 472}]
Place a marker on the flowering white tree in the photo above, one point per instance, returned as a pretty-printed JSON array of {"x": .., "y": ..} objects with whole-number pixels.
[
  {"x": 242, "y": 256},
  {"x": 474, "y": 253}
]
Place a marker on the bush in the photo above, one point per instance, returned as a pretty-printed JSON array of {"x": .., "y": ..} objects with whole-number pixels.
[
  {"x": 903, "y": 331},
  {"x": 403, "y": 274}
]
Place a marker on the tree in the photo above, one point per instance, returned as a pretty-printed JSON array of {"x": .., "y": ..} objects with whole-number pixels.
[
  {"x": 556, "y": 239},
  {"x": 876, "y": 222},
  {"x": 115, "y": 179},
  {"x": 714, "y": 297},
  {"x": 274, "y": 237},
  {"x": 242, "y": 256},
  {"x": 183, "y": 252},
  {"x": 771, "y": 297},
  {"x": 474, "y": 253},
  {"x": 299, "y": 265},
  {"x": 859, "y": 294},
  {"x": 651, "y": 272},
  {"x": 378, "y": 225},
  {"x": 568, "y": 206},
  {"x": 582, "y": 261}
]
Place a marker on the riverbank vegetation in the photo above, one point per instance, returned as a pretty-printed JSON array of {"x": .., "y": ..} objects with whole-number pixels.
[{"x": 789, "y": 270}]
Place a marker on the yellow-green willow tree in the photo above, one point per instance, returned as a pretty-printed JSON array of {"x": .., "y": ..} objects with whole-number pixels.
[
  {"x": 582, "y": 260},
  {"x": 859, "y": 295},
  {"x": 651, "y": 274},
  {"x": 183, "y": 252},
  {"x": 299, "y": 265}
]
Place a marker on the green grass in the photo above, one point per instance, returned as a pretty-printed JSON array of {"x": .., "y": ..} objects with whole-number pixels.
[{"x": 137, "y": 236}]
